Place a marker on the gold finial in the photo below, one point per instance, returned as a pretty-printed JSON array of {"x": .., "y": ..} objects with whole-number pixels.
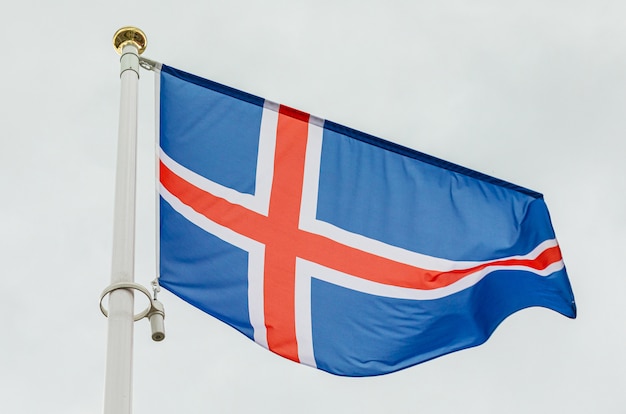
[{"x": 130, "y": 35}]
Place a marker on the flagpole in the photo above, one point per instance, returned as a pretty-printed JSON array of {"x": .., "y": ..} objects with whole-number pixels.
[{"x": 129, "y": 43}]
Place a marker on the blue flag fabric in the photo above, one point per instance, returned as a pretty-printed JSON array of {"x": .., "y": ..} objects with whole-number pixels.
[{"x": 334, "y": 248}]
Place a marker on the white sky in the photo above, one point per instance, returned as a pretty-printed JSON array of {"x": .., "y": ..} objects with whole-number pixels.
[{"x": 533, "y": 92}]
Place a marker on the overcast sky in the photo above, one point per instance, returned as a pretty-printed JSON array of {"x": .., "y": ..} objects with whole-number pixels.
[{"x": 532, "y": 92}]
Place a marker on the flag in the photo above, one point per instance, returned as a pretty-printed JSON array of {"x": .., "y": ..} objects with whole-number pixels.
[{"x": 334, "y": 248}]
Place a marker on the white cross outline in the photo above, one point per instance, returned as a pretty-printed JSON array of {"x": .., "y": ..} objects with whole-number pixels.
[{"x": 307, "y": 270}]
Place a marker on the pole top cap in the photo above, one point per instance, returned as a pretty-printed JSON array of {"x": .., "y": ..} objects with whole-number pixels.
[{"x": 129, "y": 35}]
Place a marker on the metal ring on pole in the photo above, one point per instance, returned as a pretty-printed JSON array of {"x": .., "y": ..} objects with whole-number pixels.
[{"x": 127, "y": 285}]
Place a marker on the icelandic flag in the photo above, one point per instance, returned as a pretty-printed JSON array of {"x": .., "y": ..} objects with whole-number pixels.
[{"x": 334, "y": 248}]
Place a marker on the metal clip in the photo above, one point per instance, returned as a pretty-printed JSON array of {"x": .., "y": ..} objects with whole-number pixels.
[
  {"x": 149, "y": 64},
  {"x": 155, "y": 312}
]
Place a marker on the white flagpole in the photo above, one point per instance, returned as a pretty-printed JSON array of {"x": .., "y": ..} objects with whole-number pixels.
[{"x": 129, "y": 42}]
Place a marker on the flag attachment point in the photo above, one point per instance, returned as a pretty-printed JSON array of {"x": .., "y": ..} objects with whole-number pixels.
[{"x": 155, "y": 312}]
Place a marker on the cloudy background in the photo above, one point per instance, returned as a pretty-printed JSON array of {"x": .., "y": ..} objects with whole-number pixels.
[{"x": 532, "y": 92}]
